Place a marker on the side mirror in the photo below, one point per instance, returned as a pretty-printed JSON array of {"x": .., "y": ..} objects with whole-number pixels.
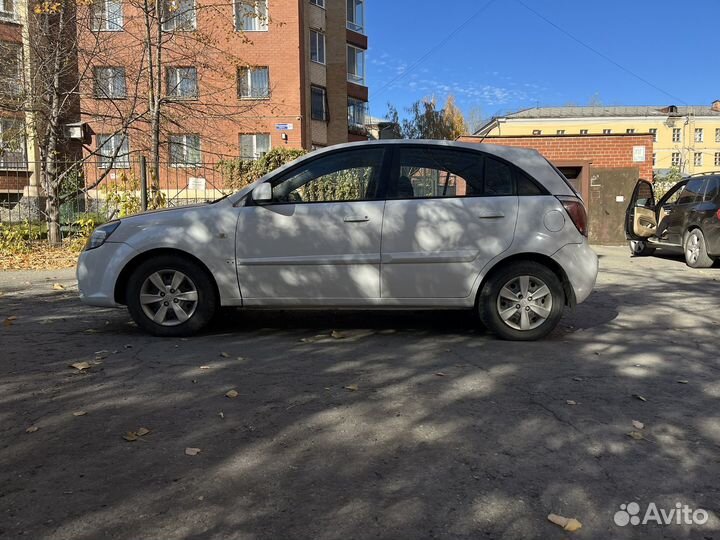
[{"x": 262, "y": 193}]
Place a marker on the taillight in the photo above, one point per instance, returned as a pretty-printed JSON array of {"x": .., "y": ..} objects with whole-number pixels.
[
  {"x": 718, "y": 214},
  {"x": 576, "y": 210}
]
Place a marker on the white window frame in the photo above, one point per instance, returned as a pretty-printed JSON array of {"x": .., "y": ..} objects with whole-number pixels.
[
  {"x": 630, "y": 131},
  {"x": 717, "y": 134},
  {"x": 318, "y": 41},
  {"x": 13, "y": 84},
  {"x": 350, "y": 22},
  {"x": 654, "y": 156},
  {"x": 173, "y": 80},
  {"x": 181, "y": 139},
  {"x": 102, "y": 23},
  {"x": 112, "y": 82},
  {"x": 537, "y": 132},
  {"x": 676, "y": 135},
  {"x": 607, "y": 131},
  {"x": 717, "y": 159},
  {"x": 6, "y": 124},
  {"x": 170, "y": 24},
  {"x": 583, "y": 132},
  {"x": 318, "y": 3},
  {"x": 7, "y": 10},
  {"x": 248, "y": 70},
  {"x": 106, "y": 151},
  {"x": 560, "y": 132},
  {"x": 256, "y": 153},
  {"x": 352, "y": 104},
  {"x": 354, "y": 77},
  {"x": 675, "y": 159},
  {"x": 262, "y": 21},
  {"x": 698, "y": 159},
  {"x": 699, "y": 135},
  {"x": 653, "y": 132}
]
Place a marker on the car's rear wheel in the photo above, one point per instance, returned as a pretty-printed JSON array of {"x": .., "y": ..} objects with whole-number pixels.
[
  {"x": 695, "y": 249},
  {"x": 522, "y": 302},
  {"x": 640, "y": 248},
  {"x": 171, "y": 296}
]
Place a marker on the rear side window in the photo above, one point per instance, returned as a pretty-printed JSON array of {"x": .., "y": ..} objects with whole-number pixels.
[
  {"x": 498, "y": 178},
  {"x": 713, "y": 189},
  {"x": 525, "y": 186},
  {"x": 692, "y": 191}
]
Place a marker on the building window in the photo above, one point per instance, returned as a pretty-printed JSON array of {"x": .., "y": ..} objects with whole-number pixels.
[
  {"x": 560, "y": 132},
  {"x": 630, "y": 131},
  {"x": 607, "y": 131},
  {"x": 106, "y": 15},
  {"x": 317, "y": 46},
  {"x": 179, "y": 15},
  {"x": 697, "y": 159},
  {"x": 356, "y": 65},
  {"x": 717, "y": 159},
  {"x": 251, "y": 15},
  {"x": 254, "y": 83},
  {"x": 110, "y": 83},
  {"x": 699, "y": 135},
  {"x": 717, "y": 134},
  {"x": 356, "y": 15},
  {"x": 7, "y": 10},
  {"x": 675, "y": 159},
  {"x": 677, "y": 135},
  {"x": 653, "y": 132},
  {"x": 12, "y": 144},
  {"x": 318, "y": 103},
  {"x": 357, "y": 111},
  {"x": 654, "y": 158},
  {"x": 537, "y": 132},
  {"x": 254, "y": 146},
  {"x": 583, "y": 132},
  {"x": 182, "y": 82},
  {"x": 319, "y": 3},
  {"x": 11, "y": 73},
  {"x": 114, "y": 151},
  {"x": 185, "y": 150}
]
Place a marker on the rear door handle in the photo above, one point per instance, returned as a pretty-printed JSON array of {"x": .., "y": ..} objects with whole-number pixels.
[{"x": 355, "y": 219}]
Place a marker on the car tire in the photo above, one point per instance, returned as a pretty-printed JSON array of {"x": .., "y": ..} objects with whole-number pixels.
[
  {"x": 187, "y": 303},
  {"x": 640, "y": 248},
  {"x": 503, "y": 293},
  {"x": 695, "y": 250}
]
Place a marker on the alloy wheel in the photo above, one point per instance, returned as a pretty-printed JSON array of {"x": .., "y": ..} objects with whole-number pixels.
[
  {"x": 524, "y": 302},
  {"x": 692, "y": 249},
  {"x": 168, "y": 297}
]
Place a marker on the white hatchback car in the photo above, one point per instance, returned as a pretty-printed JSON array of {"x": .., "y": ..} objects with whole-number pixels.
[{"x": 385, "y": 224}]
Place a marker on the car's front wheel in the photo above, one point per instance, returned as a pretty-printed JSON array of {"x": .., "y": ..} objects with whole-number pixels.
[
  {"x": 171, "y": 296},
  {"x": 640, "y": 248},
  {"x": 696, "y": 255},
  {"x": 522, "y": 302}
]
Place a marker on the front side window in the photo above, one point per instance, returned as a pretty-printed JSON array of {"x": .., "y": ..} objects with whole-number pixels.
[
  {"x": 317, "y": 46},
  {"x": 107, "y": 15},
  {"x": 251, "y": 15},
  {"x": 351, "y": 175},
  {"x": 7, "y": 10},
  {"x": 182, "y": 82},
  {"x": 110, "y": 83},
  {"x": 357, "y": 111},
  {"x": 12, "y": 144},
  {"x": 356, "y": 15},
  {"x": 254, "y": 146},
  {"x": 179, "y": 15},
  {"x": 676, "y": 135},
  {"x": 254, "y": 83},
  {"x": 356, "y": 65},
  {"x": 10, "y": 68},
  {"x": 185, "y": 150},
  {"x": 698, "y": 135},
  {"x": 113, "y": 151}
]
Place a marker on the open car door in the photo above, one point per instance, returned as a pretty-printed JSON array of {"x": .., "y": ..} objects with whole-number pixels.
[{"x": 640, "y": 216}]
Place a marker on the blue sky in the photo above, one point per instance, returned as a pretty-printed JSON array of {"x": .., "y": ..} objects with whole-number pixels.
[{"x": 507, "y": 58}]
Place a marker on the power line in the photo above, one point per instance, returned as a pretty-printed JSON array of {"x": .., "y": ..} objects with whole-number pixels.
[
  {"x": 600, "y": 54},
  {"x": 433, "y": 49}
]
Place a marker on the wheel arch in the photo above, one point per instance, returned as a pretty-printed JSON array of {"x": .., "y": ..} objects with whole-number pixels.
[
  {"x": 122, "y": 280},
  {"x": 539, "y": 258}
]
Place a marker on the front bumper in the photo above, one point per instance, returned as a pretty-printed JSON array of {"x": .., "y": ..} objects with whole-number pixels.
[
  {"x": 98, "y": 270},
  {"x": 581, "y": 267}
]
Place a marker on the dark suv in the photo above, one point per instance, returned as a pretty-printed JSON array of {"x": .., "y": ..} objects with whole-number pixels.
[{"x": 687, "y": 217}]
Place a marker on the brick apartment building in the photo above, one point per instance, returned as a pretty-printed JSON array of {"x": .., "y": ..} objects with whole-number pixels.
[{"x": 238, "y": 78}]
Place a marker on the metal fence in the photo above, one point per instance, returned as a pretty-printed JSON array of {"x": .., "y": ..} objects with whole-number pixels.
[{"x": 91, "y": 190}]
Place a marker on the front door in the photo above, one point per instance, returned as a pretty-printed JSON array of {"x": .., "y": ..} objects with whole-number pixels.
[
  {"x": 448, "y": 213},
  {"x": 318, "y": 241},
  {"x": 640, "y": 218}
]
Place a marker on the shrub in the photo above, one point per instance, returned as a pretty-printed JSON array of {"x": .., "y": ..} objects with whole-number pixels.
[{"x": 238, "y": 173}]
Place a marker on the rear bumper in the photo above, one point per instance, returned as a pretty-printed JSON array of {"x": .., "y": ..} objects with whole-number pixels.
[
  {"x": 581, "y": 267},
  {"x": 98, "y": 270}
]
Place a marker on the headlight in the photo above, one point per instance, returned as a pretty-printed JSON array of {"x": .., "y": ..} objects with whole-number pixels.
[{"x": 102, "y": 233}]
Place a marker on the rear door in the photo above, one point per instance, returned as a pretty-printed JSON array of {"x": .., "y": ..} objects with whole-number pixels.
[
  {"x": 640, "y": 219},
  {"x": 448, "y": 213},
  {"x": 678, "y": 214}
]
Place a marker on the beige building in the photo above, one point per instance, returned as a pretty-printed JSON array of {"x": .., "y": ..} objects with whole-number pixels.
[{"x": 684, "y": 137}]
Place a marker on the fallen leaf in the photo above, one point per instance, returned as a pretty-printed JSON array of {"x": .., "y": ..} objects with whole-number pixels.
[
  {"x": 569, "y": 524},
  {"x": 80, "y": 366},
  {"x": 682, "y": 381},
  {"x": 439, "y": 374},
  {"x": 637, "y": 425},
  {"x": 232, "y": 394},
  {"x": 635, "y": 435},
  {"x": 571, "y": 402},
  {"x": 130, "y": 436},
  {"x": 142, "y": 431},
  {"x": 192, "y": 451},
  {"x": 351, "y": 387},
  {"x": 79, "y": 413},
  {"x": 224, "y": 355},
  {"x": 58, "y": 287},
  {"x": 32, "y": 429},
  {"x": 638, "y": 396}
]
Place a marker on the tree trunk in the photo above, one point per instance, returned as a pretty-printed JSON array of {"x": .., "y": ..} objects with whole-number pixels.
[{"x": 52, "y": 209}]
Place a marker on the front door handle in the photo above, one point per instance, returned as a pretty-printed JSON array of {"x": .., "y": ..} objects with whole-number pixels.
[
  {"x": 355, "y": 219},
  {"x": 490, "y": 215}
]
